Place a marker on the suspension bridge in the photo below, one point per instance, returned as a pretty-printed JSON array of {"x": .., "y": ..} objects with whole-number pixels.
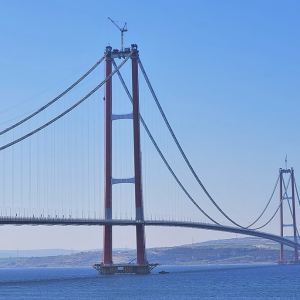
[{"x": 52, "y": 170}]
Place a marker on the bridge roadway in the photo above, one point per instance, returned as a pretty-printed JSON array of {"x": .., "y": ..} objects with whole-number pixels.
[{"x": 49, "y": 221}]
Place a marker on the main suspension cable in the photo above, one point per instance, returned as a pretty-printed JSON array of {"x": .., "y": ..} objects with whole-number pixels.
[
  {"x": 290, "y": 208},
  {"x": 160, "y": 153},
  {"x": 183, "y": 153},
  {"x": 291, "y": 212},
  {"x": 297, "y": 197},
  {"x": 56, "y": 98},
  {"x": 267, "y": 203},
  {"x": 69, "y": 109},
  {"x": 297, "y": 191},
  {"x": 281, "y": 200}
]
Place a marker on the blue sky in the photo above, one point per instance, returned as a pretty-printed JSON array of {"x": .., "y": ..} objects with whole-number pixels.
[{"x": 226, "y": 73}]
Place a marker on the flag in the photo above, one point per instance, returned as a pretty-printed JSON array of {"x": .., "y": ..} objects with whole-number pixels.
[{"x": 286, "y": 161}]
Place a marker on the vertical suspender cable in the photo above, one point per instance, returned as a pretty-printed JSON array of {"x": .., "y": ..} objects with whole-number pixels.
[
  {"x": 69, "y": 109},
  {"x": 161, "y": 155},
  {"x": 55, "y": 99},
  {"x": 183, "y": 153}
]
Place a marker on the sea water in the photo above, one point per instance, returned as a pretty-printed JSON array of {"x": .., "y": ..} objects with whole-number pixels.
[{"x": 182, "y": 282}]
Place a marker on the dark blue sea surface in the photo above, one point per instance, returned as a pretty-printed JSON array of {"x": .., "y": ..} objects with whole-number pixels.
[{"x": 183, "y": 282}]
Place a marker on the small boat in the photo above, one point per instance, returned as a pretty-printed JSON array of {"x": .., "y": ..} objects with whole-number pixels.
[{"x": 163, "y": 272}]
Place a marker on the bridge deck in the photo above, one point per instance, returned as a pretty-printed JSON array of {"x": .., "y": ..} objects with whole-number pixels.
[{"x": 48, "y": 221}]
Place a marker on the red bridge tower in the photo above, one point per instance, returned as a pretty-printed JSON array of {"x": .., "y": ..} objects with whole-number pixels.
[
  {"x": 107, "y": 266},
  {"x": 284, "y": 197}
]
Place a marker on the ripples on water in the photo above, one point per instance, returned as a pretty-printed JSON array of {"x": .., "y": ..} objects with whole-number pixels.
[{"x": 185, "y": 282}]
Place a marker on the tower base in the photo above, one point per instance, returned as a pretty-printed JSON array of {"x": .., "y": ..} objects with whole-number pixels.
[
  {"x": 289, "y": 262},
  {"x": 124, "y": 268}
]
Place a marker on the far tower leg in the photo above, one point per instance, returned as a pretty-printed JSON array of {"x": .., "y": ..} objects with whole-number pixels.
[
  {"x": 294, "y": 214},
  {"x": 107, "y": 238},
  {"x": 281, "y": 258},
  {"x": 140, "y": 229}
]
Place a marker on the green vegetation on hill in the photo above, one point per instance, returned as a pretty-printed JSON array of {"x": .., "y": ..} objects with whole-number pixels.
[{"x": 197, "y": 254}]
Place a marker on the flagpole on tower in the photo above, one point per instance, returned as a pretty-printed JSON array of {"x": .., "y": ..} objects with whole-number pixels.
[{"x": 286, "y": 161}]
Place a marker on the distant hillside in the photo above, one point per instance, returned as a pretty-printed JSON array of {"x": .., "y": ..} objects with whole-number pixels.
[
  {"x": 232, "y": 251},
  {"x": 31, "y": 253},
  {"x": 249, "y": 241}
]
